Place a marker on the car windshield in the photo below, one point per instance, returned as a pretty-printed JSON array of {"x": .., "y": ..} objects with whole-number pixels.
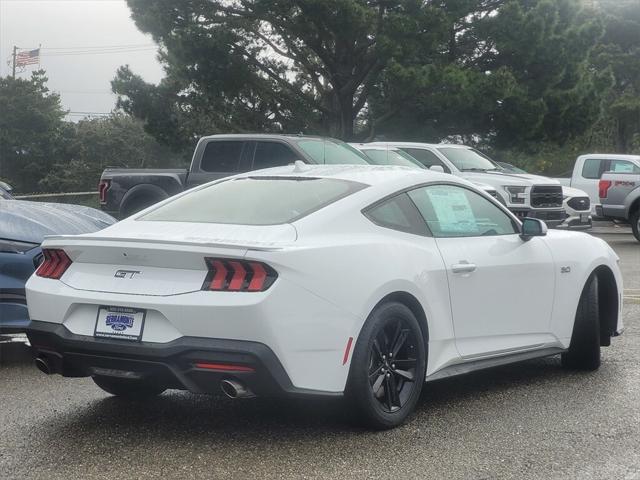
[
  {"x": 468, "y": 159},
  {"x": 326, "y": 151},
  {"x": 392, "y": 157},
  {"x": 254, "y": 200}
]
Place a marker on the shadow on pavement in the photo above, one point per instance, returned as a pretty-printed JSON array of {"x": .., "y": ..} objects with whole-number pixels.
[{"x": 189, "y": 417}]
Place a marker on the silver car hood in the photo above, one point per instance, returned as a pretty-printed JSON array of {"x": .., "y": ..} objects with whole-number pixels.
[{"x": 31, "y": 221}]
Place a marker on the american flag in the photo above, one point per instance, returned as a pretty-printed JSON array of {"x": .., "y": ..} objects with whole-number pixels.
[{"x": 29, "y": 57}]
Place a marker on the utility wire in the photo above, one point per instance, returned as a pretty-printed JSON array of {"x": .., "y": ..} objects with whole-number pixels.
[
  {"x": 88, "y": 113},
  {"x": 87, "y": 47},
  {"x": 95, "y": 52}
]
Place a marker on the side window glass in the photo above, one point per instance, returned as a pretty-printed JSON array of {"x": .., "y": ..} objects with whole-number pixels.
[
  {"x": 221, "y": 156},
  {"x": 273, "y": 154},
  {"x": 398, "y": 213},
  {"x": 452, "y": 211},
  {"x": 623, "y": 166},
  {"x": 592, "y": 168},
  {"x": 426, "y": 157}
]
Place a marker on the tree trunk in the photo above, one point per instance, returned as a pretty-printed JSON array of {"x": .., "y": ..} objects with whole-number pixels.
[
  {"x": 339, "y": 124},
  {"x": 621, "y": 136}
]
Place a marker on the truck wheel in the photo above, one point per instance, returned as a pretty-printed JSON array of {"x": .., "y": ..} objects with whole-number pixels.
[
  {"x": 634, "y": 219},
  {"x": 388, "y": 367},
  {"x": 139, "y": 203},
  {"x": 584, "y": 350},
  {"x": 126, "y": 388}
]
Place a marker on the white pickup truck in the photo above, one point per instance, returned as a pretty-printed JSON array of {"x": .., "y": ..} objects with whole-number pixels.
[
  {"x": 588, "y": 170},
  {"x": 524, "y": 194}
]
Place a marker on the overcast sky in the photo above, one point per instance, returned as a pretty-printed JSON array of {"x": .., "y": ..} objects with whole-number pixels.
[{"x": 70, "y": 32}]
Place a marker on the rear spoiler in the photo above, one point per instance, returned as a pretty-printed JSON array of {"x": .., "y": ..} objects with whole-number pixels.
[{"x": 80, "y": 240}]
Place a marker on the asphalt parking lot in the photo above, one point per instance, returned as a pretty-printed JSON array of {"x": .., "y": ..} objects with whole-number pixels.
[{"x": 532, "y": 420}]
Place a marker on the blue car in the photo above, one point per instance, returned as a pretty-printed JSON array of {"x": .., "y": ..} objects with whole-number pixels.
[{"x": 23, "y": 226}]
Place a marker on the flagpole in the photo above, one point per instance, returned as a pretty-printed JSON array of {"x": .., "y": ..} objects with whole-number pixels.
[{"x": 13, "y": 70}]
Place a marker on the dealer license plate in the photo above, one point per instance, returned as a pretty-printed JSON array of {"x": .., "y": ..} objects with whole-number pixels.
[{"x": 120, "y": 322}]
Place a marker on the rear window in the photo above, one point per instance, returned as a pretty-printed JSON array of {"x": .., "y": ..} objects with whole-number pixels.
[
  {"x": 592, "y": 168},
  {"x": 221, "y": 156},
  {"x": 255, "y": 200}
]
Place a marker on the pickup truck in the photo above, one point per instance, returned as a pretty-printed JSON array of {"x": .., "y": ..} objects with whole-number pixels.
[
  {"x": 124, "y": 192},
  {"x": 524, "y": 194},
  {"x": 620, "y": 198},
  {"x": 588, "y": 170},
  {"x": 576, "y": 203}
]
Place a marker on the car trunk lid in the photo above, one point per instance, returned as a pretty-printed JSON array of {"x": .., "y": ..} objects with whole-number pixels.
[{"x": 160, "y": 258}]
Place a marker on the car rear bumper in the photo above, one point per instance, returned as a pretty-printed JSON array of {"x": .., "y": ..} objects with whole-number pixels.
[
  {"x": 187, "y": 363},
  {"x": 612, "y": 211},
  {"x": 307, "y": 333}
]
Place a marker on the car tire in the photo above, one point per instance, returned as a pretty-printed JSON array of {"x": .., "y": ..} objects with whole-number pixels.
[
  {"x": 138, "y": 204},
  {"x": 383, "y": 388},
  {"x": 126, "y": 388},
  {"x": 634, "y": 219},
  {"x": 584, "y": 349}
]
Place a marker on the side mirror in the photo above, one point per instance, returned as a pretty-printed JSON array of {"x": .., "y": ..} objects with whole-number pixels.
[
  {"x": 5, "y": 186},
  {"x": 532, "y": 227},
  {"x": 436, "y": 168}
]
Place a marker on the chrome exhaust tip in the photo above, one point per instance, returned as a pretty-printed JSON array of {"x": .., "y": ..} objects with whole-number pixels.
[
  {"x": 43, "y": 365},
  {"x": 234, "y": 389}
]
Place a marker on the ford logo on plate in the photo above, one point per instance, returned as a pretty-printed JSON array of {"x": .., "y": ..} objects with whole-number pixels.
[{"x": 119, "y": 322}]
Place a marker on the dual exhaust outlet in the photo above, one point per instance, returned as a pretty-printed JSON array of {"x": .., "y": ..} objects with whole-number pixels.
[
  {"x": 235, "y": 389},
  {"x": 43, "y": 365},
  {"x": 231, "y": 388}
]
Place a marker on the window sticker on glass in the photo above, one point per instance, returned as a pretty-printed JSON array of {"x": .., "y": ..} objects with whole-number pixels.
[{"x": 452, "y": 210}]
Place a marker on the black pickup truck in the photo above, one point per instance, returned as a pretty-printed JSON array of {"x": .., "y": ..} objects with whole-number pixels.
[{"x": 125, "y": 191}]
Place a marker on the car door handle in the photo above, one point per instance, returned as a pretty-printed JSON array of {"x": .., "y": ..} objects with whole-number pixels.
[{"x": 463, "y": 267}]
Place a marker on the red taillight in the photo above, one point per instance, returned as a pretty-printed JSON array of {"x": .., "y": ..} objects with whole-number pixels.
[
  {"x": 603, "y": 188},
  {"x": 55, "y": 263},
  {"x": 103, "y": 186},
  {"x": 223, "y": 367},
  {"x": 238, "y": 275}
]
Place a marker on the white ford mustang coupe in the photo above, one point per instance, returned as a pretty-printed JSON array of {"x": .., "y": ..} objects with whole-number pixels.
[{"x": 354, "y": 281}]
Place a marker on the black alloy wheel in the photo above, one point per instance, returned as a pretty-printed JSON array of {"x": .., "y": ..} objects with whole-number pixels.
[
  {"x": 392, "y": 364},
  {"x": 388, "y": 367}
]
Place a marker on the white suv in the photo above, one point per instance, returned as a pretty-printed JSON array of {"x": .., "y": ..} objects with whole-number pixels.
[{"x": 524, "y": 194}]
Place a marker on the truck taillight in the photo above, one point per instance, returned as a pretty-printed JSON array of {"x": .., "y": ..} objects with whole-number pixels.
[
  {"x": 103, "y": 186},
  {"x": 55, "y": 263},
  {"x": 232, "y": 275},
  {"x": 603, "y": 188}
]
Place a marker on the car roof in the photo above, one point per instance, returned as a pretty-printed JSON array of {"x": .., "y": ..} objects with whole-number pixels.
[
  {"x": 366, "y": 174},
  {"x": 265, "y": 136},
  {"x": 419, "y": 144},
  {"x": 611, "y": 156},
  {"x": 373, "y": 146}
]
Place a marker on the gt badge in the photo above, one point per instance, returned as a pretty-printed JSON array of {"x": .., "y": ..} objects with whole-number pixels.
[{"x": 126, "y": 273}]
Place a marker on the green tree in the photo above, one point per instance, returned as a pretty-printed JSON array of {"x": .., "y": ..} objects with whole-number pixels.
[
  {"x": 94, "y": 144},
  {"x": 269, "y": 65},
  {"x": 619, "y": 55},
  {"x": 32, "y": 132},
  {"x": 507, "y": 73}
]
